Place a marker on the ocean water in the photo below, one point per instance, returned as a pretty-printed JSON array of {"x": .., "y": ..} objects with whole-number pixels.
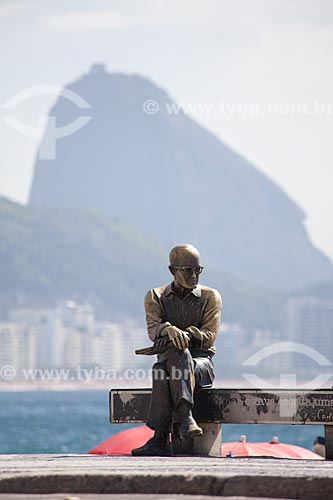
[{"x": 76, "y": 421}]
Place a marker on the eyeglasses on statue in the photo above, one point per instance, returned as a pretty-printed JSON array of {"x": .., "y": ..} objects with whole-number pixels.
[{"x": 189, "y": 270}]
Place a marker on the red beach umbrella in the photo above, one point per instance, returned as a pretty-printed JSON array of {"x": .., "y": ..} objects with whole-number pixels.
[
  {"x": 274, "y": 448},
  {"x": 123, "y": 442}
]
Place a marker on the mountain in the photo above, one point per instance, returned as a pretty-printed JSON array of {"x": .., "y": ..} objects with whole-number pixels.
[
  {"x": 49, "y": 255},
  {"x": 167, "y": 176}
]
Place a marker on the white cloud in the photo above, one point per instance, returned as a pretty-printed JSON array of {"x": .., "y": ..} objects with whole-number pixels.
[
  {"x": 11, "y": 10},
  {"x": 93, "y": 20}
]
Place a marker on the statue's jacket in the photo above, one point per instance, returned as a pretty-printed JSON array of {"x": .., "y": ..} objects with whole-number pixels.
[{"x": 198, "y": 313}]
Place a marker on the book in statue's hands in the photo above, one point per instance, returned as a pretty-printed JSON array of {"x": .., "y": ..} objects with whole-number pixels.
[
  {"x": 149, "y": 351},
  {"x": 160, "y": 345}
]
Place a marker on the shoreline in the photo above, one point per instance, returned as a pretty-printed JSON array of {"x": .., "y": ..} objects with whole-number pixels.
[
  {"x": 83, "y": 385},
  {"x": 78, "y": 385}
]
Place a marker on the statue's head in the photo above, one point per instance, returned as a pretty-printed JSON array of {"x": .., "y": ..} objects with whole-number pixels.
[{"x": 185, "y": 265}]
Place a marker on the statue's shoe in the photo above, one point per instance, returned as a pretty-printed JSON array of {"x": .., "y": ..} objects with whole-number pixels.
[
  {"x": 189, "y": 428},
  {"x": 153, "y": 448}
]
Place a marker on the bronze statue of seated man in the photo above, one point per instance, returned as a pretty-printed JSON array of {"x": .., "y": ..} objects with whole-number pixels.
[{"x": 183, "y": 320}]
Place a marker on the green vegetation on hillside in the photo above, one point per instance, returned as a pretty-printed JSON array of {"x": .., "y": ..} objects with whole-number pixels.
[{"x": 48, "y": 255}]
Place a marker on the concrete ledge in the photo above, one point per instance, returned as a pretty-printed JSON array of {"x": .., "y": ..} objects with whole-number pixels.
[
  {"x": 120, "y": 496},
  {"x": 263, "y": 478}
]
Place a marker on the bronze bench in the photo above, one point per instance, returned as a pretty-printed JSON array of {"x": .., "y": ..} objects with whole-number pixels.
[{"x": 214, "y": 407}]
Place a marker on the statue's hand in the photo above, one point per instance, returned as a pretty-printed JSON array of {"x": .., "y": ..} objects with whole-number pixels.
[{"x": 179, "y": 338}]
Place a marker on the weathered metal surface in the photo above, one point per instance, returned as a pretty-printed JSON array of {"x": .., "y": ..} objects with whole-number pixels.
[
  {"x": 127, "y": 405},
  {"x": 241, "y": 406}
]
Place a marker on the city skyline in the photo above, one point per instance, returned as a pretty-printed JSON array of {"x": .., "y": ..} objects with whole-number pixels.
[{"x": 67, "y": 343}]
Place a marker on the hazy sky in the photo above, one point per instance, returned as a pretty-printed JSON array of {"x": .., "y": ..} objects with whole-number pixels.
[{"x": 258, "y": 73}]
